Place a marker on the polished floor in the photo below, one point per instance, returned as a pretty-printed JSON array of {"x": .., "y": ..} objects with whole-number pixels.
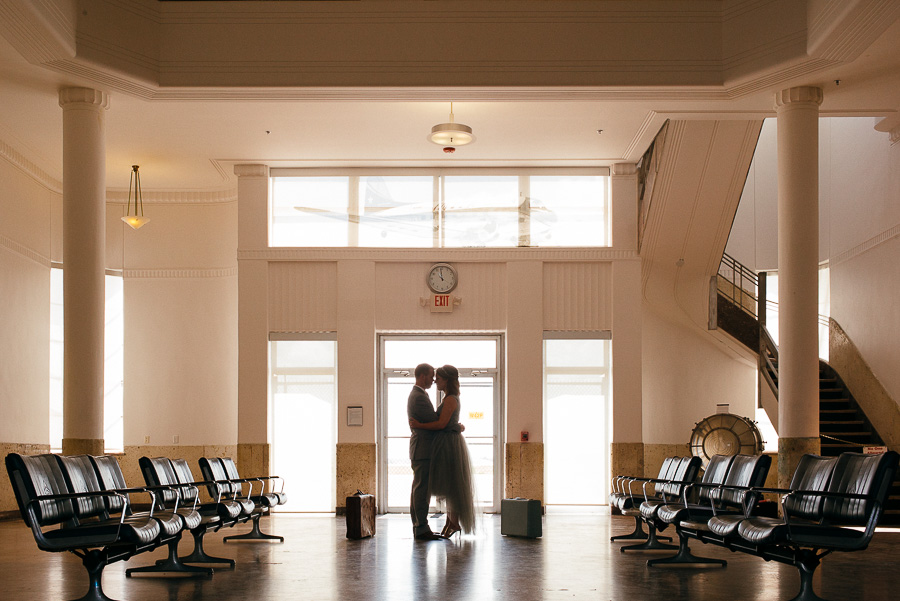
[{"x": 573, "y": 560}]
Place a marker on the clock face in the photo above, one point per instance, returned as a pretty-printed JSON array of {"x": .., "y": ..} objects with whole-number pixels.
[{"x": 442, "y": 278}]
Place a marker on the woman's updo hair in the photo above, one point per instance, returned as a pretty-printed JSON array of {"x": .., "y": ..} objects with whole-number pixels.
[{"x": 451, "y": 374}]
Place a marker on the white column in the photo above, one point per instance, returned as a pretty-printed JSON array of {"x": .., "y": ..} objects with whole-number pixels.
[
  {"x": 798, "y": 259},
  {"x": 626, "y": 448},
  {"x": 84, "y": 261},
  {"x": 253, "y": 368}
]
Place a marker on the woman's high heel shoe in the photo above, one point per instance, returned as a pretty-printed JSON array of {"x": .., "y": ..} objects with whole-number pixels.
[{"x": 449, "y": 531}]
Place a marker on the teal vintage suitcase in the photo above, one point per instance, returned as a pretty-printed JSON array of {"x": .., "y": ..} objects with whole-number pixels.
[{"x": 520, "y": 517}]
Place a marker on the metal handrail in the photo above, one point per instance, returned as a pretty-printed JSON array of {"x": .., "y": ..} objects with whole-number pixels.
[
  {"x": 743, "y": 282},
  {"x": 768, "y": 359}
]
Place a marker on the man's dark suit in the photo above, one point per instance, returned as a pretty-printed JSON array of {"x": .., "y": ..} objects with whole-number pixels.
[{"x": 419, "y": 407}]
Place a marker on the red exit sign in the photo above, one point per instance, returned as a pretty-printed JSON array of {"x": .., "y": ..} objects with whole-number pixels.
[{"x": 441, "y": 303}]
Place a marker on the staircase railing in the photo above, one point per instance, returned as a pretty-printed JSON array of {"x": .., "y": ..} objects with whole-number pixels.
[
  {"x": 768, "y": 359},
  {"x": 740, "y": 284},
  {"x": 747, "y": 290}
]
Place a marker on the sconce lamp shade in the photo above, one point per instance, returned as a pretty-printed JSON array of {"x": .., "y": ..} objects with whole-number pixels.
[{"x": 137, "y": 220}]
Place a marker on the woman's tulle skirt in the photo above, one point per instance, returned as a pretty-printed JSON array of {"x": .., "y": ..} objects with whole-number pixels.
[{"x": 450, "y": 477}]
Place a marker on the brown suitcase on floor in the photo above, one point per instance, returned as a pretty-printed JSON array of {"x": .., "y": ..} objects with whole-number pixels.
[{"x": 360, "y": 515}]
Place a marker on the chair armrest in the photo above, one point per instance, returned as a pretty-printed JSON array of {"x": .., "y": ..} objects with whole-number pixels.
[{"x": 39, "y": 534}]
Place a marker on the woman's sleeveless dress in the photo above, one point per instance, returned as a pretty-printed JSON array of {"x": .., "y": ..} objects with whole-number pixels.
[{"x": 450, "y": 477}]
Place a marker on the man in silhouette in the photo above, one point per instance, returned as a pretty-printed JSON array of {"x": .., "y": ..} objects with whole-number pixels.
[{"x": 420, "y": 408}]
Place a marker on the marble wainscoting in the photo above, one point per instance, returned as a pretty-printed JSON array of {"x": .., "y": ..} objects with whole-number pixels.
[
  {"x": 655, "y": 454},
  {"x": 525, "y": 470},
  {"x": 356, "y": 469},
  {"x": 8, "y": 507},
  {"x": 626, "y": 459},
  {"x": 83, "y": 446},
  {"x": 253, "y": 459}
]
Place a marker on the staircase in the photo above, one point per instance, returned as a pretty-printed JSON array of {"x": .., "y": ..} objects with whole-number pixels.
[{"x": 843, "y": 426}]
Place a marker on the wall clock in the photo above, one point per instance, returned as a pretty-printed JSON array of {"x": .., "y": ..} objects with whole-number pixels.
[{"x": 442, "y": 278}]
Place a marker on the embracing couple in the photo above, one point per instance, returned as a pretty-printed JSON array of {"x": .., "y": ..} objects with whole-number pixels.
[{"x": 440, "y": 458}]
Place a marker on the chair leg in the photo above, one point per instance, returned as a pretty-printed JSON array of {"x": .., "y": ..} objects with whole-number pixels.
[
  {"x": 255, "y": 535},
  {"x": 94, "y": 561},
  {"x": 684, "y": 558},
  {"x": 652, "y": 544},
  {"x": 200, "y": 556},
  {"x": 637, "y": 534},
  {"x": 170, "y": 566},
  {"x": 807, "y": 561}
]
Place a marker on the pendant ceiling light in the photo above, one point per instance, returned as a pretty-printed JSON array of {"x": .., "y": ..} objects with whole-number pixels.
[
  {"x": 452, "y": 134},
  {"x": 137, "y": 220}
]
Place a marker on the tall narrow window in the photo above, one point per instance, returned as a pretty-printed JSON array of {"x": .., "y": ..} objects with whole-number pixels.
[
  {"x": 304, "y": 419},
  {"x": 113, "y": 364},
  {"x": 576, "y": 426},
  {"x": 56, "y": 359}
]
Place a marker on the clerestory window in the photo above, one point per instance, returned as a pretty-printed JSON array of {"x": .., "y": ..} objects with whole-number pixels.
[{"x": 440, "y": 209}]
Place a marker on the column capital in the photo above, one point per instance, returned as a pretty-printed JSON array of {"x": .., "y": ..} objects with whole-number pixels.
[
  {"x": 69, "y": 96},
  {"x": 251, "y": 170},
  {"x": 799, "y": 95},
  {"x": 624, "y": 169}
]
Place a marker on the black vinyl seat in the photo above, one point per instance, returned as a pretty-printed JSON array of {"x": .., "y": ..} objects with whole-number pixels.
[
  {"x": 714, "y": 500},
  {"x": 812, "y": 473},
  {"x": 833, "y": 504},
  {"x": 224, "y": 471},
  {"x": 45, "y": 499},
  {"x": 669, "y": 490},
  {"x": 278, "y": 496},
  {"x": 623, "y": 499},
  {"x": 110, "y": 477},
  {"x": 159, "y": 471},
  {"x": 838, "y": 513}
]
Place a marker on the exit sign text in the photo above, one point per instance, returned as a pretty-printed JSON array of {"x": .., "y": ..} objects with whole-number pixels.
[{"x": 441, "y": 303}]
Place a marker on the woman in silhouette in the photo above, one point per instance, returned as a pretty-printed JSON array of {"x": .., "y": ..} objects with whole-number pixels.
[{"x": 450, "y": 479}]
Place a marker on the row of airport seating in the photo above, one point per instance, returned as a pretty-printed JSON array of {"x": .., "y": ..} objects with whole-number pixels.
[
  {"x": 81, "y": 504},
  {"x": 832, "y": 504}
]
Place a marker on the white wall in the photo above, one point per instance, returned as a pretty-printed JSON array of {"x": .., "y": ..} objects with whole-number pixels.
[
  {"x": 854, "y": 192},
  {"x": 181, "y": 324},
  {"x": 25, "y": 213},
  {"x": 686, "y": 373},
  {"x": 865, "y": 277}
]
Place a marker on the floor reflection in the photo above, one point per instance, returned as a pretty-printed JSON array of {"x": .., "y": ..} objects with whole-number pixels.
[{"x": 573, "y": 560}]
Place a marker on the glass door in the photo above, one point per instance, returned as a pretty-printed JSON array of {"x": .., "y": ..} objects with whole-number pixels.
[{"x": 477, "y": 359}]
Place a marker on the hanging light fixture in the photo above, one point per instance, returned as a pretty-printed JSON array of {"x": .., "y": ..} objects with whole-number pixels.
[
  {"x": 137, "y": 220},
  {"x": 452, "y": 134}
]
